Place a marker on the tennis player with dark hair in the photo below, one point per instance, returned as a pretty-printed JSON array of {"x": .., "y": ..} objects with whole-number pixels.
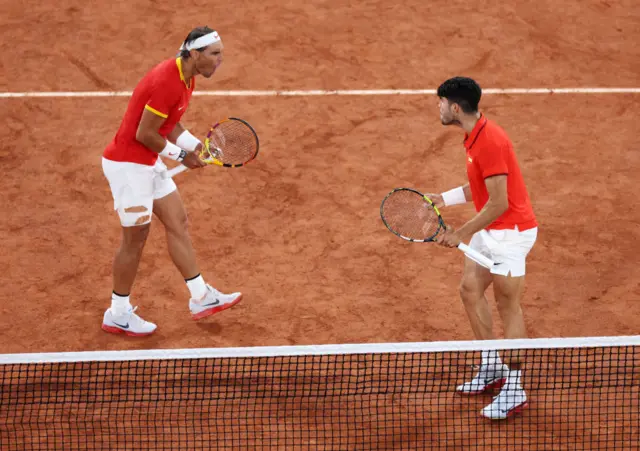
[
  {"x": 151, "y": 128},
  {"x": 504, "y": 229}
]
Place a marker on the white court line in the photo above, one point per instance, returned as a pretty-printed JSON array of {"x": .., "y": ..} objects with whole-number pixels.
[{"x": 317, "y": 92}]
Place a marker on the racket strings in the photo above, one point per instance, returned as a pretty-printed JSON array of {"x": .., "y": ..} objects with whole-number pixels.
[
  {"x": 232, "y": 142},
  {"x": 410, "y": 215}
]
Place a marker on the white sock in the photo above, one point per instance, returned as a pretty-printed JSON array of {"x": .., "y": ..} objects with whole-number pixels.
[
  {"x": 514, "y": 380},
  {"x": 491, "y": 359},
  {"x": 197, "y": 287},
  {"x": 119, "y": 304}
]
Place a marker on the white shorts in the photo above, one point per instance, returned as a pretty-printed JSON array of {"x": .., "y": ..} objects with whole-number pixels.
[
  {"x": 134, "y": 187},
  {"x": 507, "y": 248}
]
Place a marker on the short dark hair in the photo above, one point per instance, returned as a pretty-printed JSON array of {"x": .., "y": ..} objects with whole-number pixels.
[
  {"x": 462, "y": 90},
  {"x": 192, "y": 36}
]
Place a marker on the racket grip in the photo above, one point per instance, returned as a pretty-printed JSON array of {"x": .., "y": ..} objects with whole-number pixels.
[
  {"x": 173, "y": 171},
  {"x": 476, "y": 256}
]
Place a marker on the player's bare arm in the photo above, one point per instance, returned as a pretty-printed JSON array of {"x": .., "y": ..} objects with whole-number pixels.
[
  {"x": 467, "y": 192},
  {"x": 496, "y": 205},
  {"x": 494, "y": 208},
  {"x": 148, "y": 135},
  {"x": 176, "y": 132}
]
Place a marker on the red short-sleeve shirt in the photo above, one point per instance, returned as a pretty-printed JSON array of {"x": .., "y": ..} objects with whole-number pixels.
[
  {"x": 490, "y": 152},
  {"x": 163, "y": 91}
]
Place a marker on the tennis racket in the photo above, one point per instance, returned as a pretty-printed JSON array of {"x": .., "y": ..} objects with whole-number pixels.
[
  {"x": 412, "y": 216},
  {"x": 231, "y": 143}
]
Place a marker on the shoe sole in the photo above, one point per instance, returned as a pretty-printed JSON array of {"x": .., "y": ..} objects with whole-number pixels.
[
  {"x": 517, "y": 409},
  {"x": 497, "y": 384},
  {"x": 214, "y": 310},
  {"x": 117, "y": 330}
]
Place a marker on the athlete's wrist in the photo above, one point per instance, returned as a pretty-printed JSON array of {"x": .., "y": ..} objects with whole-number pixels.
[
  {"x": 464, "y": 234},
  {"x": 454, "y": 197},
  {"x": 173, "y": 152},
  {"x": 187, "y": 141}
]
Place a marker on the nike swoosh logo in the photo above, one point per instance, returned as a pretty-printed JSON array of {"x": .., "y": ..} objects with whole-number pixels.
[
  {"x": 212, "y": 303},
  {"x": 506, "y": 411},
  {"x": 124, "y": 326}
]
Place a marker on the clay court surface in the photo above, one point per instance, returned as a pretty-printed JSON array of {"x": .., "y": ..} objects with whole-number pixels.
[{"x": 298, "y": 230}]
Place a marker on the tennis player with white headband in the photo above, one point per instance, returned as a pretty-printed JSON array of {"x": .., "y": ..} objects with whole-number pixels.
[{"x": 151, "y": 128}]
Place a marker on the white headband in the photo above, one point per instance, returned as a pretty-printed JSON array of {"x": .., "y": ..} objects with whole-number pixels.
[{"x": 202, "y": 41}]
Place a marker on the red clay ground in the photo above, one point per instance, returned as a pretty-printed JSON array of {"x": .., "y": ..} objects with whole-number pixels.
[
  {"x": 303, "y": 240},
  {"x": 298, "y": 231}
]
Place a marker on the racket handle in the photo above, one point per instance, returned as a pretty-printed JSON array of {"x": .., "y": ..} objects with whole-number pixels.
[
  {"x": 476, "y": 256},
  {"x": 173, "y": 171}
]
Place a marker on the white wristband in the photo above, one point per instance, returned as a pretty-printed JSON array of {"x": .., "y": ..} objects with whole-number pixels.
[
  {"x": 454, "y": 197},
  {"x": 187, "y": 141},
  {"x": 174, "y": 152}
]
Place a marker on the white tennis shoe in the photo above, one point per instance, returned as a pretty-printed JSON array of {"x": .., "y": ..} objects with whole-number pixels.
[
  {"x": 487, "y": 378},
  {"x": 212, "y": 302},
  {"x": 128, "y": 323},
  {"x": 507, "y": 403}
]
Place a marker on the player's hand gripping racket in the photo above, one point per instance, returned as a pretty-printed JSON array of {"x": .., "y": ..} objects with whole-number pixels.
[
  {"x": 412, "y": 216},
  {"x": 231, "y": 143}
]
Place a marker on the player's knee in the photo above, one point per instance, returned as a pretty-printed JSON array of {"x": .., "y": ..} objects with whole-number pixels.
[
  {"x": 179, "y": 223},
  {"x": 469, "y": 290},
  {"x": 507, "y": 293},
  {"x": 135, "y": 237},
  {"x": 183, "y": 221}
]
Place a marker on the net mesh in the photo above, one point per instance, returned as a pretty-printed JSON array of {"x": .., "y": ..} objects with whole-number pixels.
[
  {"x": 408, "y": 214},
  {"x": 352, "y": 397}
]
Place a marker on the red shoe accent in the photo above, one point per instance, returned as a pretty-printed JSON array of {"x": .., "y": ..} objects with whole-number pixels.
[
  {"x": 518, "y": 409},
  {"x": 498, "y": 383},
  {"x": 117, "y": 330}
]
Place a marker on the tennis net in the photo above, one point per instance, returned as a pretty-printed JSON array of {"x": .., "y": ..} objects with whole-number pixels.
[{"x": 583, "y": 394}]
